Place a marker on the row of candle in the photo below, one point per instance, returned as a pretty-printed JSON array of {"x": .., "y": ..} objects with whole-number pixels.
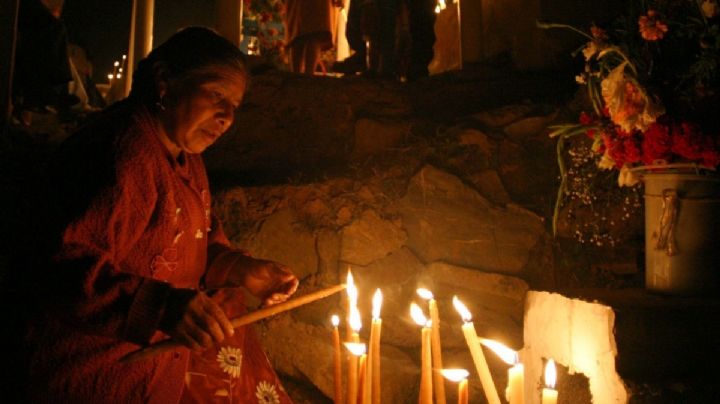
[{"x": 363, "y": 385}]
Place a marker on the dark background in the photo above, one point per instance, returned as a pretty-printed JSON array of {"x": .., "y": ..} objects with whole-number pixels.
[{"x": 102, "y": 27}]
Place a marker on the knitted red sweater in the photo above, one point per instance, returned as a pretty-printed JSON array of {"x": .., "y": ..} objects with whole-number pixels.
[{"x": 137, "y": 222}]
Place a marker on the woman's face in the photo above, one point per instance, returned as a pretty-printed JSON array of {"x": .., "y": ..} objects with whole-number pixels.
[{"x": 198, "y": 111}]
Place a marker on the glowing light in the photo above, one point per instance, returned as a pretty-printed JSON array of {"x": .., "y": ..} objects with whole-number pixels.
[
  {"x": 124, "y": 57},
  {"x": 116, "y": 64},
  {"x": 118, "y": 76},
  {"x": 462, "y": 309},
  {"x": 110, "y": 76},
  {"x": 550, "y": 374},
  {"x": 355, "y": 320},
  {"x": 506, "y": 354},
  {"x": 424, "y": 293},
  {"x": 437, "y": 9},
  {"x": 418, "y": 316},
  {"x": 335, "y": 320},
  {"x": 351, "y": 289},
  {"x": 356, "y": 348},
  {"x": 376, "y": 304},
  {"x": 455, "y": 375},
  {"x": 120, "y": 70}
]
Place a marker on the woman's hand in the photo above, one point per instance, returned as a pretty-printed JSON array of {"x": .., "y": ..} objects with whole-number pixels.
[
  {"x": 194, "y": 320},
  {"x": 269, "y": 281}
]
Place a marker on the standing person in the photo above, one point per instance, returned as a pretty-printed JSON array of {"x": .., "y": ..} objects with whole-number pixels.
[
  {"x": 42, "y": 68},
  {"x": 375, "y": 22},
  {"x": 309, "y": 30},
  {"x": 134, "y": 253}
]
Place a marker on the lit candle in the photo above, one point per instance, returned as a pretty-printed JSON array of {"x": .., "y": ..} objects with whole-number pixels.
[
  {"x": 459, "y": 376},
  {"x": 352, "y": 387},
  {"x": 516, "y": 374},
  {"x": 481, "y": 365},
  {"x": 363, "y": 380},
  {"x": 352, "y": 298},
  {"x": 372, "y": 391},
  {"x": 549, "y": 394},
  {"x": 357, "y": 350},
  {"x": 438, "y": 381},
  {"x": 338, "y": 371},
  {"x": 426, "y": 386}
]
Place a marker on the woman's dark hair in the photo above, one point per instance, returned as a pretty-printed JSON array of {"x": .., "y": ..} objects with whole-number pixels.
[{"x": 188, "y": 51}]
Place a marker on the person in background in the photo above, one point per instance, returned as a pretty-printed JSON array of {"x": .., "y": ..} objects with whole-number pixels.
[
  {"x": 376, "y": 23},
  {"x": 42, "y": 68},
  {"x": 309, "y": 30},
  {"x": 127, "y": 251}
]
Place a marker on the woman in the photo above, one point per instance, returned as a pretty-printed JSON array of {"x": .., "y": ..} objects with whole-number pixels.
[
  {"x": 138, "y": 251},
  {"x": 310, "y": 28}
]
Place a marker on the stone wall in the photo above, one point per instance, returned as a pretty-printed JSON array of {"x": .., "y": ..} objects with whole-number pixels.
[{"x": 407, "y": 192}]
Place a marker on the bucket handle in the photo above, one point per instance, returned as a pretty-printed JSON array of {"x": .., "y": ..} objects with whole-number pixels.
[{"x": 665, "y": 233}]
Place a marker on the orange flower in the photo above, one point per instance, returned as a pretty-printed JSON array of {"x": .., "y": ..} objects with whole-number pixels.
[{"x": 651, "y": 27}]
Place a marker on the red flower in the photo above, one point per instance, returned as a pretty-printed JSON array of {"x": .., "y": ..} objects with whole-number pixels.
[
  {"x": 623, "y": 149},
  {"x": 651, "y": 27},
  {"x": 656, "y": 144}
]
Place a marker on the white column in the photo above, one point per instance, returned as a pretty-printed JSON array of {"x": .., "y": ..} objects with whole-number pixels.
[
  {"x": 141, "y": 37},
  {"x": 228, "y": 20}
]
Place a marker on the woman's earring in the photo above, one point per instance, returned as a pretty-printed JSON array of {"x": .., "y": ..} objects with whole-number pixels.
[{"x": 159, "y": 104}]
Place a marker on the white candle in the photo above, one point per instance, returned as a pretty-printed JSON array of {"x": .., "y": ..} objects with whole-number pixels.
[
  {"x": 459, "y": 376},
  {"x": 515, "y": 392},
  {"x": 438, "y": 381},
  {"x": 426, "y": 387},
  {"x": 356, "y": 351},
  {"x": 336, "y": 348},
  {"x": 372, "y": 392},
  {"x": 549, "y": 394},
  {"x": 478, "y": 357}
]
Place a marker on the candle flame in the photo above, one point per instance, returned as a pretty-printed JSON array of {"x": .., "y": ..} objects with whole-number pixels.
[
  {"x": 352, "y": 291},
  {"x": 506, "y": 354},
  {"x": 355, "y": 320},
  {"x": 376, "y": 304},
  {"x": 356, "y": 348},
  {"x": 335, "y": 320},
  {"x": 120, "y": 70},
  {"x": 116, "y": 64},
  {"x": 424, "y": 293},
  {"x": 462, "y": 309},
  {"x": 550, "y": 374},
  {"x": 442, "y": 4},
  {"x": 455, "y": 375},
  {"x": 437, "y": 9},
  {"x": 417, "y": 315},
  {"x": 118, "y": 76},
  {"x": 124, "y": 57},
  {"x": 110, "y": 76}
]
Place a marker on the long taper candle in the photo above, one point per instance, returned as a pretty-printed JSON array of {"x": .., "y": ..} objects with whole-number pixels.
[
  {"x": 362, "y": 379},
  {"x": 352, "y": 387},
  {"x": 372, "y": 392},
  {"x": 239, "y": 321},
  {"x": 478, "y": 357},
  {"x": 336, "y": 357},
  {"x": 459, "y": 376},
  {"x": 352, "y": 297},
  {"x": 549, "y": 394},
  {"x": 426, "y": 387},
  {"x": 438, "y": 380},
  {"x": 514, "y": 393}
]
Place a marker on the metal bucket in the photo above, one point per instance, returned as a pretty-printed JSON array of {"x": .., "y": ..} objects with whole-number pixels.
[{"x": 682, "y": 233}]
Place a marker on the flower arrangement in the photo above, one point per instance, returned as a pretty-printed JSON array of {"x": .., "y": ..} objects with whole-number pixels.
[{"x": 652, "y": 78}]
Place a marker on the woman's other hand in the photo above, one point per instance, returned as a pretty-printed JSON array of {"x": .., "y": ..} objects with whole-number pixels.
[
  {"x": 194, "y": 320},
  {"x": 269, "y": 281}
]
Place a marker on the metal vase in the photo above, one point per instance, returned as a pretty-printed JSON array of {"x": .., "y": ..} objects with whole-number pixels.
[{"x": 682, "y": 233}]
